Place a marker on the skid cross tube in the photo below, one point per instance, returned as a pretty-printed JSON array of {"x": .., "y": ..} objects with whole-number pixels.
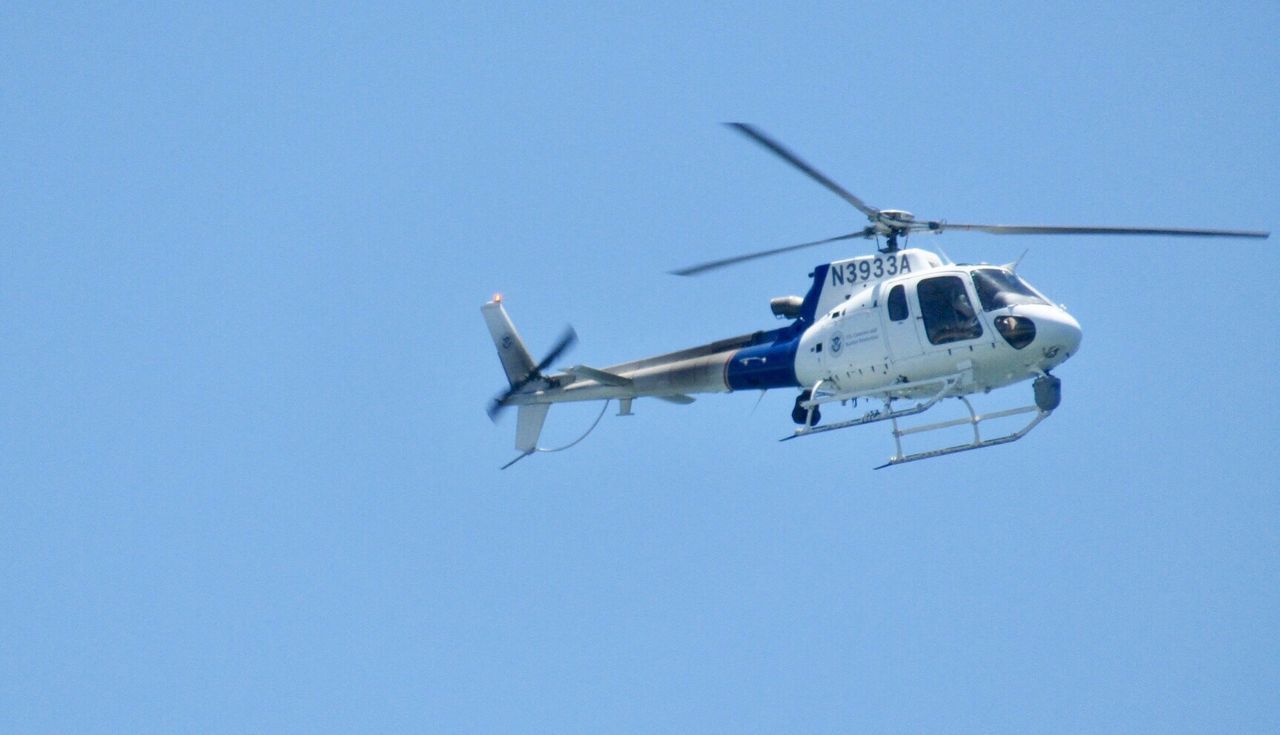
[
  {"x": 978, "y": 442},
  {"x": 947, "y": 385}
]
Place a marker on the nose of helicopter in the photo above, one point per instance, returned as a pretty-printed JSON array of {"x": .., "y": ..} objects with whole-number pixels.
[{"x": 1058, "y": 336}]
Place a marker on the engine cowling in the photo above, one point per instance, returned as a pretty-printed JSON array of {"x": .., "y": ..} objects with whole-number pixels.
[{"x": 786, "y": 306}]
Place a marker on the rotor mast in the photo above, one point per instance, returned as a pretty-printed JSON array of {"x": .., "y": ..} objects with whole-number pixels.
[{"x": 894, "y": 223}]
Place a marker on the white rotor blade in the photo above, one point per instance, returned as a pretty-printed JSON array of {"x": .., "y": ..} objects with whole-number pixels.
[{"x": 1075, "y": 230}]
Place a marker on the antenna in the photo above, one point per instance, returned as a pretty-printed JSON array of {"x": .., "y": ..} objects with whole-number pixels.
[{"x": 1013, "y": 267}]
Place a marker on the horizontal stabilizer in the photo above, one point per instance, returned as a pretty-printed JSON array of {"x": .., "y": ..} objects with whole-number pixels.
[
  {"x": 600, "y": 376},
  {"x": 678, "y": 398}
]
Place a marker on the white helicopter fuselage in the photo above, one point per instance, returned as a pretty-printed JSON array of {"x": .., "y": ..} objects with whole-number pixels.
[
  {"x": 874, "y": 325},
  {"x": 906, "y": 317},
  {"x": 893, "y": 326}
]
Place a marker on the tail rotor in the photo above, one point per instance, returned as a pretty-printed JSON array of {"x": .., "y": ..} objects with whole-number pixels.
[{"x": 562, "y": 345}]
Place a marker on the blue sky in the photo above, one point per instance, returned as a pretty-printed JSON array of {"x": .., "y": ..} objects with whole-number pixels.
[{"x": 247, "y": 482}]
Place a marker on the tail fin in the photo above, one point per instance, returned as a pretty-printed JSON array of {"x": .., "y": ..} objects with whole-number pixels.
[
  {"x": 529, "y": 426},
  {"x": 516, "y": 360},
  {"x": 518, "y": 364},
  {"x": 521, "y": 370}
]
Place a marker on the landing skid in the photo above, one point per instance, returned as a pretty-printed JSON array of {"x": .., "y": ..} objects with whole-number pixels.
[
  {"x": 1047, "y": 396},
  {"x": 974, "y": 420}
]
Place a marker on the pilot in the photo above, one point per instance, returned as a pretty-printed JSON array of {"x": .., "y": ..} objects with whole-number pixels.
[
  {"x": 965, "y": 315},
  {"x": 963, "y": 323}
]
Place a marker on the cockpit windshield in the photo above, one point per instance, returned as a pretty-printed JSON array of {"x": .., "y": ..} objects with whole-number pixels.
[{"x": 999, "y": 288}]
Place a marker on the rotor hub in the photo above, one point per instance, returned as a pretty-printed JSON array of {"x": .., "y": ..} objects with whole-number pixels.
[
  {"x": 892, "y": 223},
  {"x": 895, "y": 216}
]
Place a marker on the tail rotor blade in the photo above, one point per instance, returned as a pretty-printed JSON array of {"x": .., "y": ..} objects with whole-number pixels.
[
  {"x": 567, "y": 340},
  {"x": 496, "y": 406},
  {"x": 499, "y": 403}
]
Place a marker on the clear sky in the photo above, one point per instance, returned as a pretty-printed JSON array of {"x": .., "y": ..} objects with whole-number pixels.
[{"x": 246, "y": 479}]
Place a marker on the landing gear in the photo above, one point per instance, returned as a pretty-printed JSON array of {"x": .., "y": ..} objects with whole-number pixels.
[
  {"x": 801, "y": 415},
  {"x": 1048, "y": 395}
]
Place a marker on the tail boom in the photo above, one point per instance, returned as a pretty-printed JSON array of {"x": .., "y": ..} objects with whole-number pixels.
[{"x": 756, "y": 361}]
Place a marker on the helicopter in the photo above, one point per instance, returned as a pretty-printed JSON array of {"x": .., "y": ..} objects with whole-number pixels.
[{"x": 904, "y": 328}]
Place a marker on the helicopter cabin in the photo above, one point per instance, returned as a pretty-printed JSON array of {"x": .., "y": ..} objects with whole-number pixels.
[
  {"x": 887, "y": 327},
  {"x": 840, "y": 280}
]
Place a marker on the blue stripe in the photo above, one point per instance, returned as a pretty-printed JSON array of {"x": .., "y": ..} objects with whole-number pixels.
[
  {"x": 771, "y": 363},
  {"x": 809, "y": 309},
  {"x": 770, "y": 360}
]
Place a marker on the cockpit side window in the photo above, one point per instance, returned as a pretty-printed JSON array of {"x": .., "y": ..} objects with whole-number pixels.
[
  {"x": 898, "y": 303},
  {"x": 948, "y": 314},
  {"x": 999, "y": 288}
]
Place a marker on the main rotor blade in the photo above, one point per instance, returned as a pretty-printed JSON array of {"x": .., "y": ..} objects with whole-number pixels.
[
  {"x": 1073, "y": 230},
  {"x": 567, "y": 339},
  {"x": 710, "y": 265},
  {"x": 794, "y": 160}
]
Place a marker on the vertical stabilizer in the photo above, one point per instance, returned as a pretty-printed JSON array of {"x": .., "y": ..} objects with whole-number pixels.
[
  {"x": 529, "y": 426},
  {"x": 516, "y": 360}
]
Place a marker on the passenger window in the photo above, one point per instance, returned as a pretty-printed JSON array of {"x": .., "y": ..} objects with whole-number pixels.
[
  {"x": 898, "y": 304},
  {"x": 948, "y": 314}
]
